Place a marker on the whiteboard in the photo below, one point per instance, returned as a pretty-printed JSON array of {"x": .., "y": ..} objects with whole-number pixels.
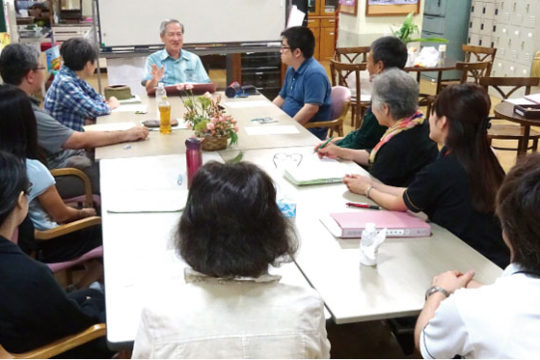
[{"x": 136, "y": 22}]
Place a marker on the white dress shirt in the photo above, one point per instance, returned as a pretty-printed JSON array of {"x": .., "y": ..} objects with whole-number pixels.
[
  {"x": 501, "y": 320},
  {"x": 239, "y": 318}
]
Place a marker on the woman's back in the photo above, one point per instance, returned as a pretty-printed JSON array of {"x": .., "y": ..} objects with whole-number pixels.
[{"x": 213, "y": 318}]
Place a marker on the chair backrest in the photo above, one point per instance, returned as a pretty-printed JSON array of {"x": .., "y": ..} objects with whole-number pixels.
[
  {"x": 480, "y": 54},
  {"x": 474, "y": 70},
  {"x": 511, "y": 84},
  {"x": 343, "y": 73},
  {"x": 352, "y": 55},
  {"x": 341, "y": 96}
]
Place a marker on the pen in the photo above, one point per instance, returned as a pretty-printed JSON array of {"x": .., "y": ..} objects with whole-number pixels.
[
  {"x": 324, "y": 144},
  {"x": 364, "y": 205}
]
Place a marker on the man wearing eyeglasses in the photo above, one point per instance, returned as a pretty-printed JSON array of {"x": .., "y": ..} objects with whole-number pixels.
[
  {"x": 172, "y": 65},
  {"x": 305, "y": 94}
]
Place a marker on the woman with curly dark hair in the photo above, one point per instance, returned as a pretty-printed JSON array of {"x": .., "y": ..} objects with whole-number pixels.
[{"x": 231, "y": 231}]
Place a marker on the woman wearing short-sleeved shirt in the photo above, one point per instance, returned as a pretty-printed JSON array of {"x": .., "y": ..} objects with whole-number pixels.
[
  {"x": 458, "y": 190},
  {"x": 18, "y": 136}
]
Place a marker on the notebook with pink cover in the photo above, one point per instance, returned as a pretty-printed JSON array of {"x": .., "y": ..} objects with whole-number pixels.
[{"x": 397, "y": 223}]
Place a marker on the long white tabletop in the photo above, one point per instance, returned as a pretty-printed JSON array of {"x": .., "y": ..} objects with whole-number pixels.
[
  {"x": 284, "y": 132},
  {"x": 138, "y": 249},
  {"x": 353, "y": 292}
]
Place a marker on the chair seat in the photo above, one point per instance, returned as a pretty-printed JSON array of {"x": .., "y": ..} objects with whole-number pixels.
[{"x": 92, "y": 254}]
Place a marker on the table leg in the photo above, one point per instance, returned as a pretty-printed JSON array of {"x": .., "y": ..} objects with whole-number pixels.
[
  {"x": 439, "y": 79},
  {"x": 524, "y": 142}
]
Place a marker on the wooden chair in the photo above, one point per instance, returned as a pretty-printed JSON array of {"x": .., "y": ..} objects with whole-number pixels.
[
  {"x": 480, "y": 54},
  {"x": 342, "y": 74},
  {"x": 510, "y": 131},
  {"x": 341, "y": 100},
  {"x": 64, "y": 229},
  {"x": 352, "y": 55},
  {"x": 59, "y": 346},
  {"x": 473, "y": 71}
]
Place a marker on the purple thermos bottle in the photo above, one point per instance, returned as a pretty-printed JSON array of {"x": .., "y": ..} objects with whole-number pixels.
[{"x": 193, "y": 157}]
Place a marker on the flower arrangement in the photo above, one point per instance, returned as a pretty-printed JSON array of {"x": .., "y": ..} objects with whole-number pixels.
[{"x": 205, "y": 117}]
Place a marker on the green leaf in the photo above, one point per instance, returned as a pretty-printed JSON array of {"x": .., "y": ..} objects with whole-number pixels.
[
  {"x": 235, "y": 159},
  {"x": 429, "y": 39},
  {"x": 200, "y": 125}
]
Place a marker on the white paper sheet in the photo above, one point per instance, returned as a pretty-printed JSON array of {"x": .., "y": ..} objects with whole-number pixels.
[
  {"x": 271, "y": 130},
  {"x": 109, "y": 126},
  {"x": 296, "y": 17},
  {"x": 131, "y": 108},
  {"x": 147, "y": 201},
  {"x": 520, "y": 101},
  {"x": 136, "y": 99},
  {"x": 247, "y": 104}
]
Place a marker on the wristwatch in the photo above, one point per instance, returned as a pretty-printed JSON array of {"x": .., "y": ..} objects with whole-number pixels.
[{"x": 432, "y": 290}]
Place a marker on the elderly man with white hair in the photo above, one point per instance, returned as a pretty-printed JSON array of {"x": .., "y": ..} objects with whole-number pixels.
[{"x": 173, "y": 65}]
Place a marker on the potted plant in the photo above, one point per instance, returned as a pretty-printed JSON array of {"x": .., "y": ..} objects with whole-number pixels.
[
  {"x": 409, "y": 28},
  {"x": 208, "y": 120}
]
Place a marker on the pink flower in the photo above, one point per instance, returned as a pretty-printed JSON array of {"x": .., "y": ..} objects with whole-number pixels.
[
  {"x": 210, "y": 126},
  {"x": 236, "y": 129},
  {"x": 189, "y": 86},
  {"x": 180, "y": 87},
  {"x": 207, "y": 95}
]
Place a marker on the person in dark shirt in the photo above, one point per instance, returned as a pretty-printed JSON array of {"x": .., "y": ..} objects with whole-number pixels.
[
  {"x": 458, "y": 190},
  {"x": 34, "y": 310},
  {"x": 386, "y": 53},
  {"x": 405, "y": 147}
]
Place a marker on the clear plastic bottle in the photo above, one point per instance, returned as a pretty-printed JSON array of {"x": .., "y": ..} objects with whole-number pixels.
[
  {"x": 193, "y": 158},
  {"x": 164, "y": 108}
]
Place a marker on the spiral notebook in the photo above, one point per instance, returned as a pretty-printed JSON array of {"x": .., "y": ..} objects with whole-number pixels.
[{"x": 397, "y": 223}]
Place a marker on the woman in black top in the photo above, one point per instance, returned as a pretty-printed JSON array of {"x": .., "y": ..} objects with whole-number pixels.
[
  {"x": 458, "y": 190},
  {"x": 34, "y": 310},
  {"x": 405, "y": 147}
]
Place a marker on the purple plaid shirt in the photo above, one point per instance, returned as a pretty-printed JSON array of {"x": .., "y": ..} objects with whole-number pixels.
[{"x": 71, "y": 100}]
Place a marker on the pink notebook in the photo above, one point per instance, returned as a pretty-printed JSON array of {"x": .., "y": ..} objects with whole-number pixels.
[{"x": 397, "y": 223}]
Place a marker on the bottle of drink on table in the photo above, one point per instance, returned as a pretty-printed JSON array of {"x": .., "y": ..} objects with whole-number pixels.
[{"x": 164, "y": 110}]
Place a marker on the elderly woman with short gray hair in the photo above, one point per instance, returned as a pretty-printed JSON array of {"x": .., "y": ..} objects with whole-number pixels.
[{"x": 405, "y": 147}]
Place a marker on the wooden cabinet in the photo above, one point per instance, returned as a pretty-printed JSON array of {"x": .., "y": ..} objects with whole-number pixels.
[{"x": 322, "y": 22}]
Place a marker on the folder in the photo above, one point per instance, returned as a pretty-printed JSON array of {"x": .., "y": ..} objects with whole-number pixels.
[{"x": 397, "y": 223}]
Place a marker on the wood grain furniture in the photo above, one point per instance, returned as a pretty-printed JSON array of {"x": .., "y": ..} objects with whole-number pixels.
[
  {"x": 505, "y": 110},
  {"x": 59, "y": 346},
  {"x": 322, "y": 22},
  {"x": 341, "y": 101},
  {"x": 348, "y": 75},
  {"x": 506, "y": 86}
]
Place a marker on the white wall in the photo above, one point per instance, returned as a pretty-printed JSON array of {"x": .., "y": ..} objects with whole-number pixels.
[{"x": 361, "y": 30}]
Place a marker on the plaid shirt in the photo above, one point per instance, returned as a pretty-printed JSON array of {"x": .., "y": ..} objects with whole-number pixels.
[{"x": 71, "y": 100}]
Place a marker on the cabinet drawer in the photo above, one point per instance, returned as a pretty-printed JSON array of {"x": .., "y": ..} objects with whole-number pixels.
[
  {"x": 313, "y": 23},
  {"x": 261, "y": 59},
  {"x": 328, "y": 22}
]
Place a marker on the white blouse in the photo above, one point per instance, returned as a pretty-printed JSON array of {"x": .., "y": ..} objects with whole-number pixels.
[
  {"x": 501, "y": 320},
  {"x": 236, "y": 318}
]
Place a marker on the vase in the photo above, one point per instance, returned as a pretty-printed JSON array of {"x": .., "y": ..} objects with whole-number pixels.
[{"x": 212, "y": 143}]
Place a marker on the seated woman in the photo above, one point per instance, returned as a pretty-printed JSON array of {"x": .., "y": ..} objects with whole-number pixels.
[
  {"x": 385, "y": 53},
  {"x": 18, "y": 136},
  {"x": 231, "y": 307},
  {"x": 458, "y": 190},
  {"x": 498, "y": 320},
  {"x": 70, "y": 99},
  {"x": 34, "y": 309},
  {"x": 405, "y": 147}
]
